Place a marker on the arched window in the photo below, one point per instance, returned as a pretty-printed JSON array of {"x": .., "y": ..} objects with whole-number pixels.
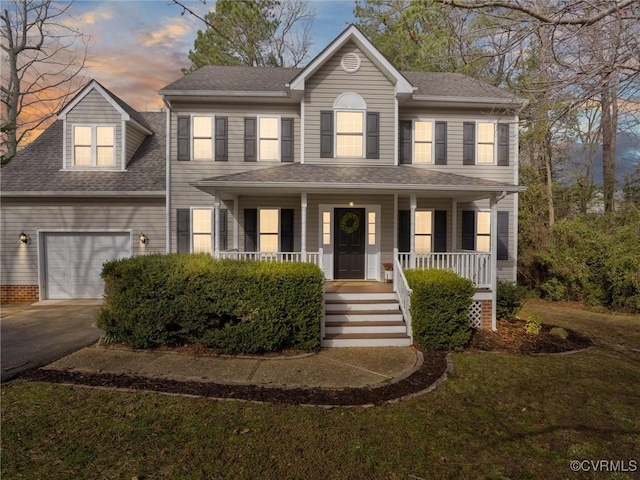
[{"x": 350, "y": 109}]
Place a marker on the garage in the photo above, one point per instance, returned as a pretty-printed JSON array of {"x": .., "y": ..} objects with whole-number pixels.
[{"x": 73, "y": 262}]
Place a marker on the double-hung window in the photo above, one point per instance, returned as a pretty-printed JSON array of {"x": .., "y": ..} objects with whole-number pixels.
[
  {"x": 486, "y": 143},
  {"x": 423, "y": 231},
  {"x": 349, "y": 134},
  {"x": 268, "y": 130},
  {"x": 94, "y": 146},
  {"x": 422, "y": 142},
  {"x": 202, "y": 137},
  {"x": 483, "y": 232},
  {"x": 201, "y": 230},
  {"x": 269, "y": 227}
]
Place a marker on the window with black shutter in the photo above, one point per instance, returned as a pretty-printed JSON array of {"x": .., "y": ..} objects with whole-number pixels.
[
  {"x": 503, "y": 144},
  {"x": 222, "y": 139},
  {"x": 326, "y": 134},
  {"x": 404, "y": 142},
  {"x": 503, "y": 235},
  {"x": 441, "y": 143},
  {"x": 183, "y": 230},
  {"x": 250, "y": 150},
  {"x": 440, "y": 231},
  {"x": 250, "y": 230},
  {"x": 286, "y": 230},
  {"x": 373, "y": 135},
  {"x": 468, "y": 230},
  {"x": 469, "y": 143},
  {"x": 404, "y": 230},
  {"x": 286, "y": 142},
  {"x": 184, "y": 138}
]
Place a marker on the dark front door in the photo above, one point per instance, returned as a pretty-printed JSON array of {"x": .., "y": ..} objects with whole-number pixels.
[{"x": 349, "y": 241}]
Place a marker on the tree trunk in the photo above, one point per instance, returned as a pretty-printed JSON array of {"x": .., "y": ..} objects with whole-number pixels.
[{"x": 609, "y": 126}]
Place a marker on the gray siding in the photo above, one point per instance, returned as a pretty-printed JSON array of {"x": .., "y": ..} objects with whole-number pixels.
[
  {"x": 93, "y": 109},
  {"x": 330, "y": 81},
  {"x": 183, "y": 195},
  {"x": 455, "y": 120},
  {"x": 19, "y": 262},
  {"x": 134, "y": 139}
]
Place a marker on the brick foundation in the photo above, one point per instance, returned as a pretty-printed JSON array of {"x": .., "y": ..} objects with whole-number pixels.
[
  {"x": 486, "y": 314},
  {"x": 19, "y": 293}
]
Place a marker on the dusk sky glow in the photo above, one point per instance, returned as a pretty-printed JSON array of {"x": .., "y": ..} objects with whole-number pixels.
[{"x": 137, "y": 47}]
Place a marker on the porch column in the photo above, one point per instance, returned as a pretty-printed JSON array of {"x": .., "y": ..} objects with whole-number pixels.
[
  {"x": 454, "y": 225},
  {"x": 494, "y": 257},
  {"x": 412, "y": 241},
  {"x": 216, "y": 227},
  {"x": 303, "y": 226},
  {"x": 235, "y": 223}
]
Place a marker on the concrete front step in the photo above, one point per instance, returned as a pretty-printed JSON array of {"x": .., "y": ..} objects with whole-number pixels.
[
  {"x": 360, "y": 305},
  {"x": 365, "y": 327},
  {"x": 366, "y": 340}
]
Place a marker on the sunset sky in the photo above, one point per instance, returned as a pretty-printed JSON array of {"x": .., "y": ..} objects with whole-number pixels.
[{"x": 139, "y": 46}]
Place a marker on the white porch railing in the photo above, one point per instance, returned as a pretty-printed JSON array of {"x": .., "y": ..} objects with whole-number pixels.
[
  {"x": 476, "y": 266},
  {"x": 401, "y": 287},
  {"x": 278, "y": 257}
]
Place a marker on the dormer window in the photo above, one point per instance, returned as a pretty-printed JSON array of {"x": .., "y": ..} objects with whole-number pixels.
[{"x": 94, "y": 146}]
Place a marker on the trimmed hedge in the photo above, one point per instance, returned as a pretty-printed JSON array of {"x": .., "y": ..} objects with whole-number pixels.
[
  {"x": 440, "y": 305},
  {"x": 233, "y": 306}
]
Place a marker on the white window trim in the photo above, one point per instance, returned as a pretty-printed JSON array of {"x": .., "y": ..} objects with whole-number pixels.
[
  {"x": 432, "y": 227},
  {"x": 335, "y": 132},
  {"x": 495, "y": 142},
  {"x": 191, "y": 232},
  {"x": 279, "y": 139},
  {"x": 94, "y": 145},
  {"x": 475, "y": 240},
  {"x": 192, "y": 137},
  {"x": 279, "y": 234},
  {"x": 413, "y": 140}
]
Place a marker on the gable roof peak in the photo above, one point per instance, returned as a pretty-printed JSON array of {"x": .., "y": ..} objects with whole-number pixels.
[
  {"x": 128, "y": 112},
  {"x": 352, "y": 33}
]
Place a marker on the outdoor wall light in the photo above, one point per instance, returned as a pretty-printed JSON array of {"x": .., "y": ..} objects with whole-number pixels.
[
  {"x": 143, "y": 238},
  {"x": 24, "y": 238}
]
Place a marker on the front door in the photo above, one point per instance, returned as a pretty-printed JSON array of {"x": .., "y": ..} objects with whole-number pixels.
[{"x": 349, "y": 228}]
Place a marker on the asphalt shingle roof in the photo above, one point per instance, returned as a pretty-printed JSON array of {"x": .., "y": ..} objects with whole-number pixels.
[
  {"x": 273, "y": 79},
  {"x": 38, "y": 168},
  {"x": 332, "y": 176},
  {"x": 243, "y": 79},
  {"x": 134, "y": 114}
]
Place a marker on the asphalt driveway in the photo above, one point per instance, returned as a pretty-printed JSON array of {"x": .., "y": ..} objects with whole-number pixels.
[{"x": 35, "y": 335}]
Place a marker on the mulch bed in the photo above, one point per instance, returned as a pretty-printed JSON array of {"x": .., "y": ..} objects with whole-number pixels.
[
  {"x": 433, "y": 367},
  {"x": 512, "y": 338}
]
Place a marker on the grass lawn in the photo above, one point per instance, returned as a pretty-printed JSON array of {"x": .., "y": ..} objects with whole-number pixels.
[{"x": 498, "y": 416}]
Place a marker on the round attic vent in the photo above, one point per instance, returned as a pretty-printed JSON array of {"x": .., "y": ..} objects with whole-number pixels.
[{"x": 350, "y": 62}]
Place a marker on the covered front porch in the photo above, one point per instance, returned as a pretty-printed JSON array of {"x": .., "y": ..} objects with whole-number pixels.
[{"x": 356, "y": 228}]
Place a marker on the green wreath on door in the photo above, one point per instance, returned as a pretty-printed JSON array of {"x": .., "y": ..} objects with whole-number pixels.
[{"x": 349, "y": 223}]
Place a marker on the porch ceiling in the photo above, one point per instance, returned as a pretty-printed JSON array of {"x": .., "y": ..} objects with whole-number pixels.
[{"x": 296, "y": 178}]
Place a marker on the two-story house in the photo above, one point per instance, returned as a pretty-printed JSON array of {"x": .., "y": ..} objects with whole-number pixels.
[{"x": 347, "y": 163}]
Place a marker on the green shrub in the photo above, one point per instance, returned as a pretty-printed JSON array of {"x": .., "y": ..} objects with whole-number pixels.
[
  {"x": 509, "y": 300},
  {"x": 440, "y": 305},
  {"x": 234, "y": 306},
  {"x": 532, "y": 327},
  {"x": 553, "y": 289}
]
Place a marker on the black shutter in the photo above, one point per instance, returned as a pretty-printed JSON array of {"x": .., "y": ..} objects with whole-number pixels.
[
  {"x": 286, "y": 230},
  {"x": 222, "y": 139},
  {"x": 373, "y": 135},
  {"x": 468, "y": 143},
  {"x": 326, "y": 134},
  {"x": 184, "y": 138},
  {"x": 404, "y": 230},
  {"x": 184, "y": 230},
  {"x": 224, "y": 236},
  {"x": 404, "y": 141},
  {"x": 503, "y": 235},
  {"x": 250, "y": 151},
  {"x": 503, "y": 144},
  {"x": 440, "y": 231},
  {"x": 250, "y": 229},
  {"x": 468, "y": 230},
  {"x": 441, "y": 143},
  {"x": 286, "y": 141}
]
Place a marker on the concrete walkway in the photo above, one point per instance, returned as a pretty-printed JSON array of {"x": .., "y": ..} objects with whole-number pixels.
[{"x": 329, "y": 368}]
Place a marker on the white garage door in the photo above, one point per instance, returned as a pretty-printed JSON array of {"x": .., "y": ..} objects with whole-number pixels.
[{"x": 73, "y": 262}]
